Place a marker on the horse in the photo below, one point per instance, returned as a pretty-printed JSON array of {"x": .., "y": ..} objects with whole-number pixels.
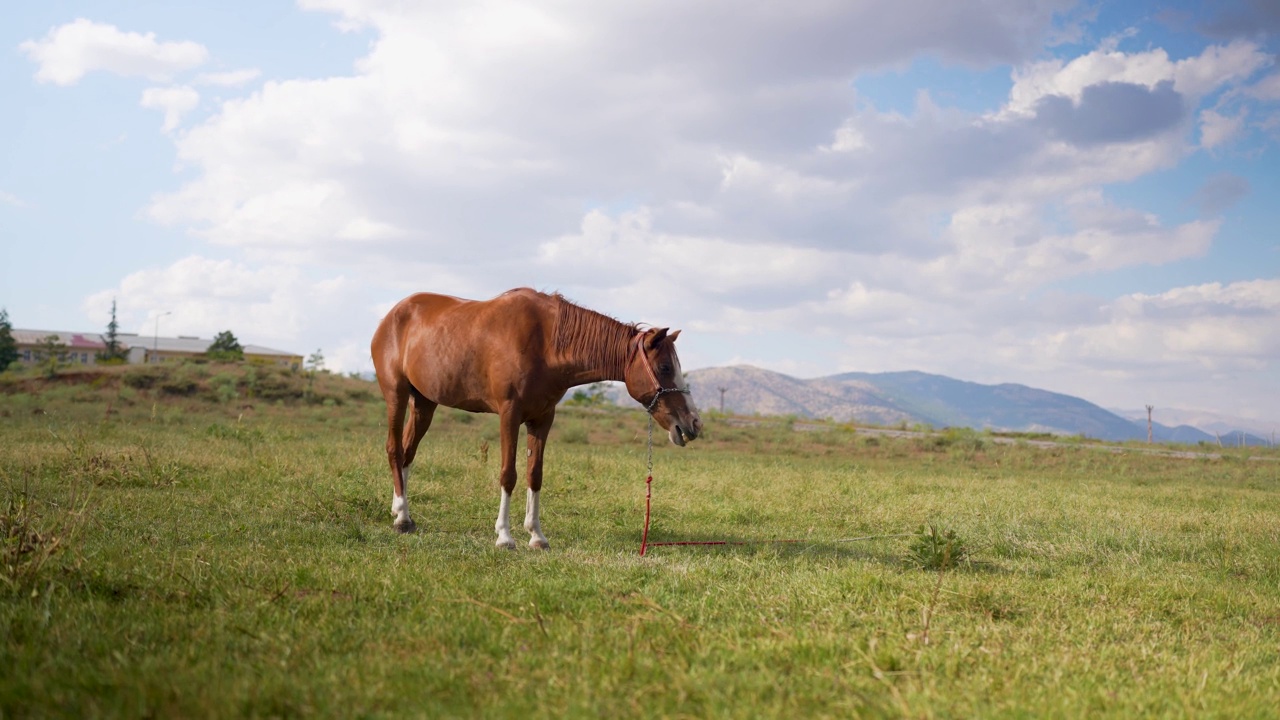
[{"x": 515, "y": 355}]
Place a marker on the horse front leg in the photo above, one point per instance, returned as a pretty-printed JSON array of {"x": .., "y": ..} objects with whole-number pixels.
[
  {"x": 508, "y": 429},
  {"x": 537, "y": 443}
]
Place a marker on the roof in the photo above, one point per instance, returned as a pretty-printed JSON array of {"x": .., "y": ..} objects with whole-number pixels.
[
  {"x": 88, "y": 341},
  {"x": 95, "y": 341}
]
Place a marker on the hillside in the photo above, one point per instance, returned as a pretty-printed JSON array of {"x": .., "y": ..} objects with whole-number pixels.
[
  {"x": 243, "y": 384},
  {"x": 916, "y": 397}
]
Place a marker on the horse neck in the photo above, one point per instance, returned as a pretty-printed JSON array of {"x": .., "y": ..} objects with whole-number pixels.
[{"x": 593, "y": 347}]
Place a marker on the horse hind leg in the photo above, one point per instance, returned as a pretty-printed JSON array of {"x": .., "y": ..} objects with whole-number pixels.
[
  {"x": 537, "y": 443},
  {"x": 508, "y": 428}
]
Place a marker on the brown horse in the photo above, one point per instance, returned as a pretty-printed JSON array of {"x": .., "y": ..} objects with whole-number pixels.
[{"x": 515, "y": 355}]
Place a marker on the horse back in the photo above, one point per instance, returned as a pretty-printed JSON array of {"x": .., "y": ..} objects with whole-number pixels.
[{"x": 470, "y": 354}]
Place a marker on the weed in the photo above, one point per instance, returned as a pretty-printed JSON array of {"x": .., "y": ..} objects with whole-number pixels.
[
  {"x": 934, "y": 549},
  {"x": 29, "y": 541}
]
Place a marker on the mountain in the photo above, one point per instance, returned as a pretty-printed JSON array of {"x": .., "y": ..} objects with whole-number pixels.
[
  {"x": 1208, "y": 422},
  {"x": 752, "y": 390},
  {"x": 917, "y": 397}
]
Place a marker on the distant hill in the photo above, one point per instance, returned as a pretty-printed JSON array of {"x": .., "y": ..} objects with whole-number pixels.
[
  {"x": 917, "y": 397},
  {"x": 1227, "y": 427}
]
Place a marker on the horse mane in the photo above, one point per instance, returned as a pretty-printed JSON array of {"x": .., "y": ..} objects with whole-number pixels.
[{"x": 589, "y": 336}]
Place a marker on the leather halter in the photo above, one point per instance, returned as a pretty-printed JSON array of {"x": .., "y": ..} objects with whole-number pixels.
[{"x": 644, "y": 359}]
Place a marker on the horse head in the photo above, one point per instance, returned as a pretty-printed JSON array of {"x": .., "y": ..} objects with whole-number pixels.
[{"x": 654, "y": 380}]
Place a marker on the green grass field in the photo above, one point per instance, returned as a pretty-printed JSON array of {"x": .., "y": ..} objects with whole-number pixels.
[{"x": 177, "y": 548}]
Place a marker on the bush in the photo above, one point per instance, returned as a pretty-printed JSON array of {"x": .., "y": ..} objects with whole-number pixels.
[
  {"x": 182, "y": 381},
  {"x": 144, "y": 377},
  {"x": 224, "y": 387}
]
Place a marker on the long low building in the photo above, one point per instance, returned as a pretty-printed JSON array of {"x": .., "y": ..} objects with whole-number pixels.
[{"x": 83, "y": 348}]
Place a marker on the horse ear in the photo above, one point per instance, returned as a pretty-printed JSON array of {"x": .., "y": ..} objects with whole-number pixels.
[
  {"x": 672, "y": 337},
  {"x": 656, "y": 339}
]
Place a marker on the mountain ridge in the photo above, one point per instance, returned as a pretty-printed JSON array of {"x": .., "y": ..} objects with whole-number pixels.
[{"x": 915, "y": 397}]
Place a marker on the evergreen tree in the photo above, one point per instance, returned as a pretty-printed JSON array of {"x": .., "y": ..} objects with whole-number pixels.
[
  {"x": 113, "y": 352},
  {"x": 8, "y": 346},
  {"x": 225, "y": 347}
]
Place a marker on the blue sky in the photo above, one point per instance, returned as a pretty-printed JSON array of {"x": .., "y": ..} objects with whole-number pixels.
[{"x": 1073, "y": 196}]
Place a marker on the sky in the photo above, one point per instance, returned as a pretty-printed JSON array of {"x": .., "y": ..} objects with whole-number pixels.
[{"x": 1075, "y": 196}]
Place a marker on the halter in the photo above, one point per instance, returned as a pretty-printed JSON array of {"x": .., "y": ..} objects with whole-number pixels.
[{"x": 644, "y": 358}]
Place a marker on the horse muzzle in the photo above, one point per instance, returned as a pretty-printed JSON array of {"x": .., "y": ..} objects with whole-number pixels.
[{"x": 683, "y": 432}]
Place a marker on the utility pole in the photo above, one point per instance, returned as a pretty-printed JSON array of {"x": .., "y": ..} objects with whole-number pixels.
[
  {"x": 155, "y": 343},
  {"x": 722, "y": 391},
  {"x": 1149, "y": 409}
]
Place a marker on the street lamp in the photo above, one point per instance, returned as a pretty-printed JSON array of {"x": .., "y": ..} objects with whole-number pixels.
[{"x": 155, "y": 343}]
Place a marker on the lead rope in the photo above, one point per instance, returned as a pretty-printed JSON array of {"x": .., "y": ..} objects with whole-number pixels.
[{"x": 648, "y": 481}]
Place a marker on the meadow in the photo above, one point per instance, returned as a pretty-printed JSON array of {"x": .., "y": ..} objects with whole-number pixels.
[{"x": 206, "y": 541}]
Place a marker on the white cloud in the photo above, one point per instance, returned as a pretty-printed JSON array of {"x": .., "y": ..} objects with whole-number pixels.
[
  {"x": 1213, "y": 327},
  {"x": 175, "y": 101},
  {"x": 273, "y": 305},
  {"x": 1267, "y": 89},
  {"x": 710, "y": 167},
  {"x": 12, "y": 200},
  {"x": 1217, "y": 129},
  {"x": 231, "y": 78},
  {"x": 1194, "y": 77},
  {"x": 69, "y": 52}
]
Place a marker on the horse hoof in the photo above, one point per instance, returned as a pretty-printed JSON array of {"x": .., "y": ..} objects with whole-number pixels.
[
  {"x": 536, "y": 544},
  {"x": 505, "y": 544},
  {"x": 406, "y": 526}
]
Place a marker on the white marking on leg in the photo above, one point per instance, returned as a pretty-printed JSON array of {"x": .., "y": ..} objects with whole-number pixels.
[
  {"x": 536, "y": 539},
  {"x": 503, "y": 526},
  {"x": 400, "y": 506}
]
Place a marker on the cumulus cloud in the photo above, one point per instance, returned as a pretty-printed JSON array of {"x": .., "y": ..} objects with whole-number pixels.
[
  {"x": 174, "y": 101},
  {"x": 1192, "y": 77},
  {"x": 273, "y": 305},
  {"x": 230, "y": 78},
  {"x": 1110, "y": 112},
  {"x": 710, "y": 166},
  {"x": 1218, "y": 129},
  {"x": 1215, "y": 327},
  {"x": 69, "y": 52}
]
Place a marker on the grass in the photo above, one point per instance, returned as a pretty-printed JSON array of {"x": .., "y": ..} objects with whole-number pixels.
[{"x": 232, "y": 556}]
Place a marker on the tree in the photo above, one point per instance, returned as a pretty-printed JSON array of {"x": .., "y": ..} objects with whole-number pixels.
[
  {"x": 112, "y": 353},
  {"x": 50, "y": 352},
  {"x": 8, "y": 346},
  {"x": 315, "y": 363},
  {"x": 225, "y": 347},
  {"x": 592, "y": 396}
]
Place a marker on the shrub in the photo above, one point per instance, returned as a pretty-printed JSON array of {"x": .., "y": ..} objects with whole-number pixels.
[{"x": 144, "y": 377}]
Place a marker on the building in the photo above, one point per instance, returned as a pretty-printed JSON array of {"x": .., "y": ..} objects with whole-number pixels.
[{"x": 83, "y": 348}]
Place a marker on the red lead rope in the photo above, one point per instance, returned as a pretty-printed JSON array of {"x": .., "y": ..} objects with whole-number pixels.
[
  {"x": 644, "y": 538},
  {"x": 648, "y": 495}
]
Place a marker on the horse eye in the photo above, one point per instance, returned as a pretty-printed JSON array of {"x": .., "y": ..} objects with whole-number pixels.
[{"x": 664, "y": 369}]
